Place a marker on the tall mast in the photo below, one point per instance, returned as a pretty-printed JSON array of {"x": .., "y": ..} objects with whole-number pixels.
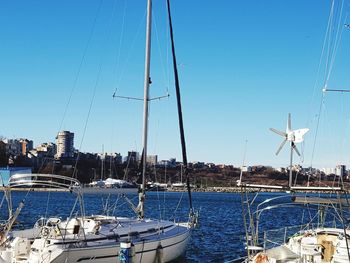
[
  {"x": 147, "y": 82},
  {"x": 102, "y": 162},
  {"x": 179, "y": 110}
]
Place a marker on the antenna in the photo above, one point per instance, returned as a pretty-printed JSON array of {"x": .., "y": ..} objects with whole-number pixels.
[{"x": 293, "y": 136}]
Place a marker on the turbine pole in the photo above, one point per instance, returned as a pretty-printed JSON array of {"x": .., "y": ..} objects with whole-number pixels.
[{"x": 291, "y": 165}]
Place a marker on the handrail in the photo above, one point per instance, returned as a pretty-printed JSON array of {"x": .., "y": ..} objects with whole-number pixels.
[{"x": 47, "y": 180}]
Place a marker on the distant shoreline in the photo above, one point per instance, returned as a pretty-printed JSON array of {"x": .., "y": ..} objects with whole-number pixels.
[
  {"x": 214, "y": 189},
  {"x": 207, "y": 189}
]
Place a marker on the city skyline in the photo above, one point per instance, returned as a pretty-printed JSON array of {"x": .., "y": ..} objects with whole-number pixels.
[
  {"x": 244, "y": 65},
  {"x": 24, "y": 147}
]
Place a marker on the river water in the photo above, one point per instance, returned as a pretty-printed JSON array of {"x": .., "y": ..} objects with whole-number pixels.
[{"x": 218, "y": 237}]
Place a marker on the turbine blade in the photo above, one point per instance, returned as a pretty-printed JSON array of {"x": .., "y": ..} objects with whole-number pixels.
[
  {"x": 281, "y": 146},
  {"x": 299, "y": 135},
  {"x": 289, "y": 123},
  {"x": 295, "y": 148},
  {"x": 281, "y": 133}
]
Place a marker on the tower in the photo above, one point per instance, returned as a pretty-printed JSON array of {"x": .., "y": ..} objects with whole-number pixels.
[{"x": 65, "y": 144}]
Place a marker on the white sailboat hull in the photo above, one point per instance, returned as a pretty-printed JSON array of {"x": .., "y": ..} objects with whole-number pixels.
[
  {"x": 321, "y": 245},
  {"x": 99, "y": 239},
  {"x": 147, "y": 251}
]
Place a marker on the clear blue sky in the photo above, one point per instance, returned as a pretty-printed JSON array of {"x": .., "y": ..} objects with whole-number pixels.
[{"x": 243, "y": 66}]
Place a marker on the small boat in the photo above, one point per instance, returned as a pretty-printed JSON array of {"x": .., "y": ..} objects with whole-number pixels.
[
  {"x": 156, "y": 187},
  {"x": 110, "y": 186}
]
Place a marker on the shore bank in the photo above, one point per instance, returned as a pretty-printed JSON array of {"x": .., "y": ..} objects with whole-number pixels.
[{"x": 216, "y": 189}]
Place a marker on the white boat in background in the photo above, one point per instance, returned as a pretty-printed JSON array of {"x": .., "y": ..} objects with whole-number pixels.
[
  {"x": 156, "y": 186},
  {"x": 106, "y": 187},
  {"x": 110, "y": 186},
  {"x": 178, "y": 185}
]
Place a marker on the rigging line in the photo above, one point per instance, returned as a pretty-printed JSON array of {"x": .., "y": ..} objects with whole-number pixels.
[
  {"x": 164, "y": 191},
  {"x": 91, "y": 103},
  {"x": 344, "y": 228},
  {"x": 330, "y": 132},
  {"x": 88, "y": 117},
  {"x": 158, "y": 196},
  {"x": 81, "y": 64},
  {"x": 317, "y": 127},
  {"x": 121, "y": 38},
  {"x": 343, "y": 131},
  {"x": 319, "y": 66},
  {"x": 340, "y": 30},
  {"x": 159, "y": 50},
  {"x": 116, "y": 67},
  {"x": 47, "y": 204},
  {"x": 75, "y": 83},
  {"x": 332, "y": 43},
  {"x": 115, "y": 204},
  {"x": 156, "y": 138},
  {"x": 2, "y": 201},
  {"x": 178, "y": 205},
  {"x": 129, "y": 52},
  {"x": 245, "y": 219},
  {"x": 109, "y": 36},
  {"x": 328, "y": 35}
]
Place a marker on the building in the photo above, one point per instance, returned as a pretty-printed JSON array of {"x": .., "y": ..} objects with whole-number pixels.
[
  {"x": 171, "y": 163},
  {"x": 13, "y": 147},
  {"x": 247, "y": 169},
  {"x": 65, "y": 145},
  {"x": 117, "y": 158},
  {"x": 48, "y": 149},
  {"x": 26, "y": 146},
  {"x": 297, "y": 168},
  {"x": 132, "y": 158},
  {"x": 2, "y": 148},
  {"x": 3, "y": 156},
  {"x": 152, "y": 159},
  {"x": 340, "y": 170},
  {"x": 328, "y": 171}
]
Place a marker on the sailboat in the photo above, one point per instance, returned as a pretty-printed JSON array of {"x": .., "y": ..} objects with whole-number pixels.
[
  {"x": 101, "y": 238},
  {"x": 301, "y": 222},
  {"x": 110, "y": 185},
  {"x": 320, "y": 230},
  {"x": 180, "y": 184}
]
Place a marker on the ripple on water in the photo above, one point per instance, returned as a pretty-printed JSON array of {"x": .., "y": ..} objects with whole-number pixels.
[{"x": 218, "y": 238}]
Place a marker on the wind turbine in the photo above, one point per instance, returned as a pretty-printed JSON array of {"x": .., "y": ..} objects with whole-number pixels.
[{"x": 296, "y": 136}]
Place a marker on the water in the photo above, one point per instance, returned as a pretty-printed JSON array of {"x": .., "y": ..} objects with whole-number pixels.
[{"x": 218, "y": 238}]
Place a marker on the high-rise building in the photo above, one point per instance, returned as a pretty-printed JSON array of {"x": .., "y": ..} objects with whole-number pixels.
[
  {"x": 65, "y": 144},
  {"x": 26, "y": 146}
]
